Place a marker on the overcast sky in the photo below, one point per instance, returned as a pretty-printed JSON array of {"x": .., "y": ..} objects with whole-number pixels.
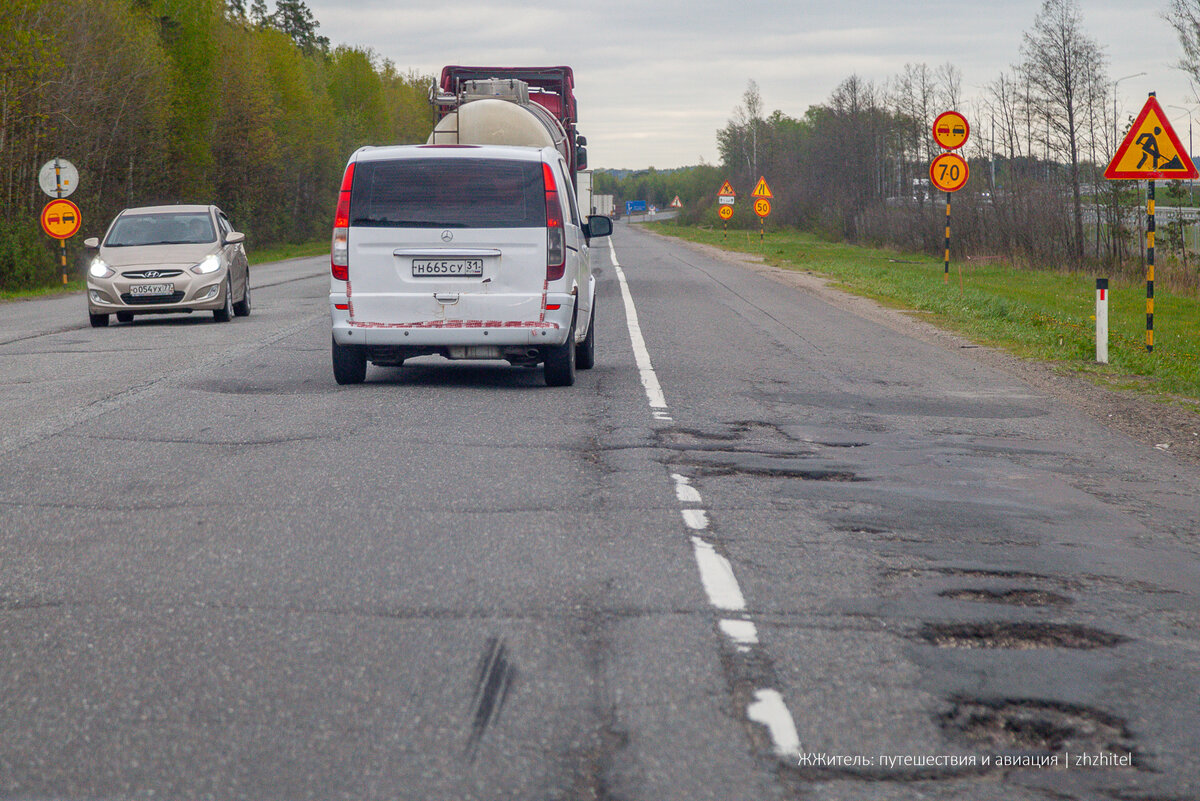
[{"x": 656, "y": 79}]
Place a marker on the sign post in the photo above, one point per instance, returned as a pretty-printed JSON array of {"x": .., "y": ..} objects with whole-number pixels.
[
  {"x": 725, "y": 197},
  {"x": 949, "y": 171},
  {"x": 762, "y": 206},
  {"x": 1102, "y": 320},
  {"x": 58, "y": 178},
  {"x": 1149, "y": 151}
]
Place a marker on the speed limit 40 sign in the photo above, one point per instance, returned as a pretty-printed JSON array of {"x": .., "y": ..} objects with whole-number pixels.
[{"x": 949, "y": 172}]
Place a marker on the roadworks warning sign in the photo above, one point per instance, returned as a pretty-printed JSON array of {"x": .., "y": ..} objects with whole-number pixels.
[{"x": 1151, "y": 150}]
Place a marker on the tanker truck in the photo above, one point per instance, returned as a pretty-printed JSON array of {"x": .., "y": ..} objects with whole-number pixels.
[
  {"x": 532, "y": 106},
  {"x": 471, "y": 246}
]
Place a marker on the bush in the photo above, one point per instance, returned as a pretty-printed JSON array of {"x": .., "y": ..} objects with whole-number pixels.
[{"x": 25, "y": 260}]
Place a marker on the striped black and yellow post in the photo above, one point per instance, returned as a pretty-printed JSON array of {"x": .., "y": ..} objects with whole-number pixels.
[
  {"x": 946, "y": 273},
  {"x": 1150, "y": 266}
]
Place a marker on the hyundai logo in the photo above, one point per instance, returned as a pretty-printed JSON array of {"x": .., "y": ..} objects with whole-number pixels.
[
  {"x": 150, "y": 274},
  {"x": 447, "y": 236}
]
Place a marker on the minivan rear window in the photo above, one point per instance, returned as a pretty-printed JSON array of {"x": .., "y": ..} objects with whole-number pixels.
[{"x": 448, "y": 193}]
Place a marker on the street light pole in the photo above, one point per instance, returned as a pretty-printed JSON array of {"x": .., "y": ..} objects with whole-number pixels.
[
  {"x": 1191, "y": 186},
  {"x": 1117, "y": 81},
  {"x": 1116, "y": 202}
]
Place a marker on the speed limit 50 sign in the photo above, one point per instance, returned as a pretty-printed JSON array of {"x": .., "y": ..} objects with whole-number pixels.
[{"x": 949, "y": 172}]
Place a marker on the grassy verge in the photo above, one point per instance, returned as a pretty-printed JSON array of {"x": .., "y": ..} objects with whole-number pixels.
[
  {"x": 53, "y": 289},
  {"x": 1039, "y": 314},
  {"x": 255, "y": 255},
  {"x": 288, "y": 251}
]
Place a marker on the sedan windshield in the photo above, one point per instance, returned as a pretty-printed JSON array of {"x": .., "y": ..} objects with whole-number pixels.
[{"x": 172, "y": 228}]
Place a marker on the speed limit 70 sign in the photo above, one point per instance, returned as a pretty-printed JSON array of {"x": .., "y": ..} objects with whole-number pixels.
[{"x": 949, "y": 172}]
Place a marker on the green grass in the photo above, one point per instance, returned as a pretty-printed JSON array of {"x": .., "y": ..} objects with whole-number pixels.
[
  {"x": 1044, "y": 315},
  {"x": 288, "y": 251},
  {"x": 53, "y": 289},
  {"x": 255, "y": 255}
]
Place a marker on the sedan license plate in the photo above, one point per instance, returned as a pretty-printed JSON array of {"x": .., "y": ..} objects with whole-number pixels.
[
  {"x": 151, "y": 290},
  {"x": 442, "y": 268}
]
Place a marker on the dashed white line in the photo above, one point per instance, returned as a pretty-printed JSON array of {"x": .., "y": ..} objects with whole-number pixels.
[
  {"x": 769, "y": 710},
  {"x": 742, "y": 632},
  {"x": 684, "y": 490},
  {"x": 716, "y": 573}
]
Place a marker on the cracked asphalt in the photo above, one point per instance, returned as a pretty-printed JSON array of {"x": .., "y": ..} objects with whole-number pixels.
[{"x": 223, "y": 576}]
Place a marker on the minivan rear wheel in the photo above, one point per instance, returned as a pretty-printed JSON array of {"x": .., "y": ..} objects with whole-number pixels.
[
  {"x": 560, "y": 361},
  {"x": 585, "y": 351},
  {"x": 349, "y": 363}
]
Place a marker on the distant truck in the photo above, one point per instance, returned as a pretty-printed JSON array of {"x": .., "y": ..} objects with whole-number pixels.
[
  {"x": 532, "y": 106},
  {"x": 602, "y": 204},
  {"x": 583, "y": 191}
]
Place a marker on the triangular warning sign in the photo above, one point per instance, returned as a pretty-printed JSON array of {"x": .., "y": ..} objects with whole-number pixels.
[
  {"x": 1151, "y": 150},
  {"x": 761, "y": 189},
  {"x": 677, "y": 203},
  {"x": 726, "y": 190}
]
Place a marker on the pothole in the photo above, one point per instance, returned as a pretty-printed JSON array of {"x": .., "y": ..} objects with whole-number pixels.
[
  {"x": 1032, "y": 725},
  {"x": 1012, "y": 597},
  {"x": 236, "y": 386},
  {"x": 1017, "y": 636},
  {"x": 780, "y": 471}
]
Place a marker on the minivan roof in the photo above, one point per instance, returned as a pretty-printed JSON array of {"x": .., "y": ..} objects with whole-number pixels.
[{"x": 512, "y": 152}]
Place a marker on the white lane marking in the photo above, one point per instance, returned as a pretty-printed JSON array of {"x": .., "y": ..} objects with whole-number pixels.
[
  {"x": 742, "y": 632},
  {"x": 769, "y": 710},
  {"x": 658, "y": 401},
  {"x": 684, "y": 490},
  {"x": 716, "y": 574}
]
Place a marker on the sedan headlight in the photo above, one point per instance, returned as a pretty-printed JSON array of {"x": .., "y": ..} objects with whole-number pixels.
[
  {"x": 100, "y": 269},
  {"x": 210, "y": 265}
]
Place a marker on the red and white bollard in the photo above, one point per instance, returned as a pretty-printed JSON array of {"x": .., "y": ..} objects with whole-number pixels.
[{"x": 1102, "y": 320}]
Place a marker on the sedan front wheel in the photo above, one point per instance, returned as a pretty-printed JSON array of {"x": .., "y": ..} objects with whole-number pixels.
[{"x": 225, "y": 313}]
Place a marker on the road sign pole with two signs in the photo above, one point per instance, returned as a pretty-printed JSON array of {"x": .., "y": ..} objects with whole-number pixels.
[
  {"x": 1150, "y": 151},
  {"x": 725, "y": 199},
  {"x": 61, "y": 219},
  {"x": 762, "y": 206},
  {"x": 949, "y": 171}
]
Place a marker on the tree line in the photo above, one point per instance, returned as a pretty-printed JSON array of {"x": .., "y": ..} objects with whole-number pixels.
[
  {"x": 856, "y": 166},
  {"x": 191, "y": 101}
]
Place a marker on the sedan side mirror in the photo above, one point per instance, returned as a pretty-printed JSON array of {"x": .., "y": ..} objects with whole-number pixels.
[
  {"x": 91, "y": 242},
  {"x": 234, "y": 237},
  {"x": 598, "y": 225}
]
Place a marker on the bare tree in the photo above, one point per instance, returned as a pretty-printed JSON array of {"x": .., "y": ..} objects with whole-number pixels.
[
  {"x": 1061, "y": 64},
  {"x": 1184, "y": 17},
  {"x": 949, "y": 84},
  {"x": 738, "y": 140}
]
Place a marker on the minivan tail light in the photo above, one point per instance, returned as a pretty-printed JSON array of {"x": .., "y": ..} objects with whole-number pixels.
[
  {"x": 556, "y": 237},
  {"x": 339, "y": 249}
]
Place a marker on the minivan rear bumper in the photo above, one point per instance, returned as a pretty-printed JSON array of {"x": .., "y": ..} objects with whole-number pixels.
[{"x": 551, "y": 328}]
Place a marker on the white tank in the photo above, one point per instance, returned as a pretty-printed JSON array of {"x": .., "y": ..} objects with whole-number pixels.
[{"x": 491, "y": 121}]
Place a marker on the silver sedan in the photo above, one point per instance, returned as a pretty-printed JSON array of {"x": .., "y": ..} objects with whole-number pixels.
[{"x": 168, "y": 259}]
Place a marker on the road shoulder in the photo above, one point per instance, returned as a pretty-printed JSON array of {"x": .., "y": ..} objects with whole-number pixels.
[{"x": 1157, "y": 422}]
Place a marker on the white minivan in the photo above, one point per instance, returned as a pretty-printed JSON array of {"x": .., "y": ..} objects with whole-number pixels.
[{"x": 464, "y": 251}]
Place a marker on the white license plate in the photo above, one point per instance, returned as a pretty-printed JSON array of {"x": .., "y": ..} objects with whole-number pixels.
[
  {"x": 441, "y": 268},
  {"x": 151, "y": 290}
]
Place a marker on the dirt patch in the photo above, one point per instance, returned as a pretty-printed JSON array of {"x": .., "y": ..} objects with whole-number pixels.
[{"x": 1156, "y": 421}]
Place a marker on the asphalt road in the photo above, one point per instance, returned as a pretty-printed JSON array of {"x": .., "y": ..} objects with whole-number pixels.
[{"x": 766, "y": 549}]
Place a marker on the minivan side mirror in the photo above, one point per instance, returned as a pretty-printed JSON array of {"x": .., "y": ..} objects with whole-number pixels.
[
  {"x": 598, "y": 225},
  {"x": 91, "y": 242}
]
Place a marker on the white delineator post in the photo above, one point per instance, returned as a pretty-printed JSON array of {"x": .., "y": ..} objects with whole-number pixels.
[{"x": 1102, "y": 320}]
